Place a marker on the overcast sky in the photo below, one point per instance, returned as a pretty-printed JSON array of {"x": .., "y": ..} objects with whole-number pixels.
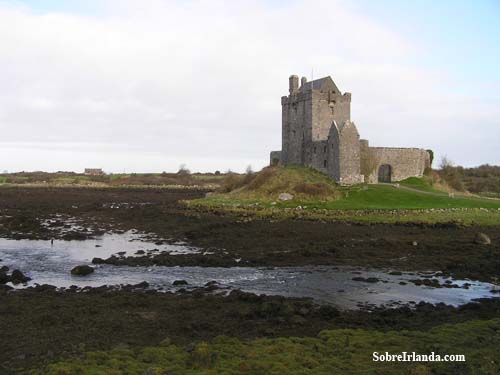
[{"x": 146, "y": 86}]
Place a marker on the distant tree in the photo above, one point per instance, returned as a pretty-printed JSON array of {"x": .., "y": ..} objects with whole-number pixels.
[
  {"x": 217, "y": 173},
  {"x": 445, "y": 163},
  {"x": 183, "y": 170},
  {"x": 451, "y": 174}
]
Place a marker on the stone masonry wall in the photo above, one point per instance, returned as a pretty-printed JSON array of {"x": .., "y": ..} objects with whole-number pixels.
[
  {"x": 349, "y": 155},
  {"x": 275, "y": 158},
  {"x": 296, "y": 125},
  {"x": 404, "y": 162},
  {"x": 328, "y": 106}
]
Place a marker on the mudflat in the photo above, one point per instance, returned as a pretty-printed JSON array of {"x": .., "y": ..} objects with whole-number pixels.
[{"x": 239, "y": 240}]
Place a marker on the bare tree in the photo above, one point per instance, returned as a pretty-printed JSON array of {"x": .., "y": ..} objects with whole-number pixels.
[{"x": 445, "y": 163}]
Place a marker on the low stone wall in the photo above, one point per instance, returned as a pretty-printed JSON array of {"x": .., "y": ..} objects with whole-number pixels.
[
  {"x": 275, "y": 158},
  {"x": 404, "y": 162}
]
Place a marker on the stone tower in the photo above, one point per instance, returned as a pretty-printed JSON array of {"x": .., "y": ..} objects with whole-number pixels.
[
  {"x": 317, "y": 132},
  {"x": 308, "y": 114}
]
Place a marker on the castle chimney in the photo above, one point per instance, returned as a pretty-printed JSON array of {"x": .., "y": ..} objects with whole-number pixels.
[
  {"x": 303, "y": 81},
  {"x": 293, "y": 84}
]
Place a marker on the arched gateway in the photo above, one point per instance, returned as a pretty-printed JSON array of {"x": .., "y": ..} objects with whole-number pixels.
[{"x": 384, "y": 173}]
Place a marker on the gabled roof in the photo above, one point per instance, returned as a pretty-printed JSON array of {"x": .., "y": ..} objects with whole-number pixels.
[{"x": 320, "y": 84}]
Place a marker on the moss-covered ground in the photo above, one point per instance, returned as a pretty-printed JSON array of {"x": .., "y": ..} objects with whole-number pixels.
[{"x": 345, "y": 351}]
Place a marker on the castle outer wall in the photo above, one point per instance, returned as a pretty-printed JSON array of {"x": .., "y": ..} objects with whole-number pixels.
[{"x": 403, "y": 162}]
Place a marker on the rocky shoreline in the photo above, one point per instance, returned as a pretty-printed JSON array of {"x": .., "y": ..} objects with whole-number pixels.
[{"x": 51, "y": 323}]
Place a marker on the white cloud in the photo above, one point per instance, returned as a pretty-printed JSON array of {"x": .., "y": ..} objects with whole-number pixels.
[{"x": 163, "y": 83}]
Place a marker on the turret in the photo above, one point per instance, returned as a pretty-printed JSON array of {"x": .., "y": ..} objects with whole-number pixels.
[
  {"x": 303, "y": 81},
  {"x": 293, "y": 84}
]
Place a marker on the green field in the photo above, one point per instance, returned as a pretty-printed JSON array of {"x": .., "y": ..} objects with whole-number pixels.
[{"x": 343, "y": 351}]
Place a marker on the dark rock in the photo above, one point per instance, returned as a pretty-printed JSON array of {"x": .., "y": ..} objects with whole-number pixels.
[
  {"x": 366, "y": 280},
  {"x": 328, "y": 312},
  {"x": 17, "y": 277},
  {"x": 4, "y": 278},
  {"x": 82, "y": 270},
  {"x": 395, "y": 273},
  {"x": 140, "y": 252},
  {"x": 180, "y": 282},
  {"x": 98, "y": 261},
  {"x": 142, "y": 285},
  {"x": 482, "y": 239}
]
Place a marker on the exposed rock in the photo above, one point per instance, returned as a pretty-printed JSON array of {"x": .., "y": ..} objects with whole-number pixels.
[
  {"x": 396, "y": 273},
  {"x": 140, "y": 252},
  {"x": 18, "y": 277},
  {"x": 82, "y": 270},
  {"x": 482, "y": 239},
  {"x": 4, "y": 278},
  {"x": 285, "y": 197},
  {"x": 141, "y": 285},
  {"x": 180, "y": 282},
  {"x": 366, "y": 280}
]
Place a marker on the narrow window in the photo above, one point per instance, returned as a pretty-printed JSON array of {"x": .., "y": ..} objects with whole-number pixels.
[
  {"x": 314, "y": 149},
  {"x": 324, "y": 163},
  {"x": 324, "y": 150}
]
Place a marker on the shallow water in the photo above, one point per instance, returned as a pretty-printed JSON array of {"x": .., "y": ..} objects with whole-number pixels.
[{"x": 51, "y": 264}]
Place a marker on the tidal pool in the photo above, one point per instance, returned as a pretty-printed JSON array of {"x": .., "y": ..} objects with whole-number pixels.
[{"x": 48, "y": 263}]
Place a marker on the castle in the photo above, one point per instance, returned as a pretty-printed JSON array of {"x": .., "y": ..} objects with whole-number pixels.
[{"x": 317, "y": 132}]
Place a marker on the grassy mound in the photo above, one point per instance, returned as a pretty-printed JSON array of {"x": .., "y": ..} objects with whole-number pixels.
[
  {"x": 302, "y": 183},
  {"x": 419, "y": 199}
]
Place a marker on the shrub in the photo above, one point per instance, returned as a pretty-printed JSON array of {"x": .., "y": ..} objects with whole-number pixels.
[{"x": 314, "y": 189}]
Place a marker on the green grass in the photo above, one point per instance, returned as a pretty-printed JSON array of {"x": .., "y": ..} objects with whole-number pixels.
[
  {"x": 333, "y": 197},
  {"x": 421, "y": 183},
  {"x": 360, "y": 197},
  {"x": 386, "y": 197},
  {"x": 317, "y": 196},
  {"x": 343, "y": 351}
]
